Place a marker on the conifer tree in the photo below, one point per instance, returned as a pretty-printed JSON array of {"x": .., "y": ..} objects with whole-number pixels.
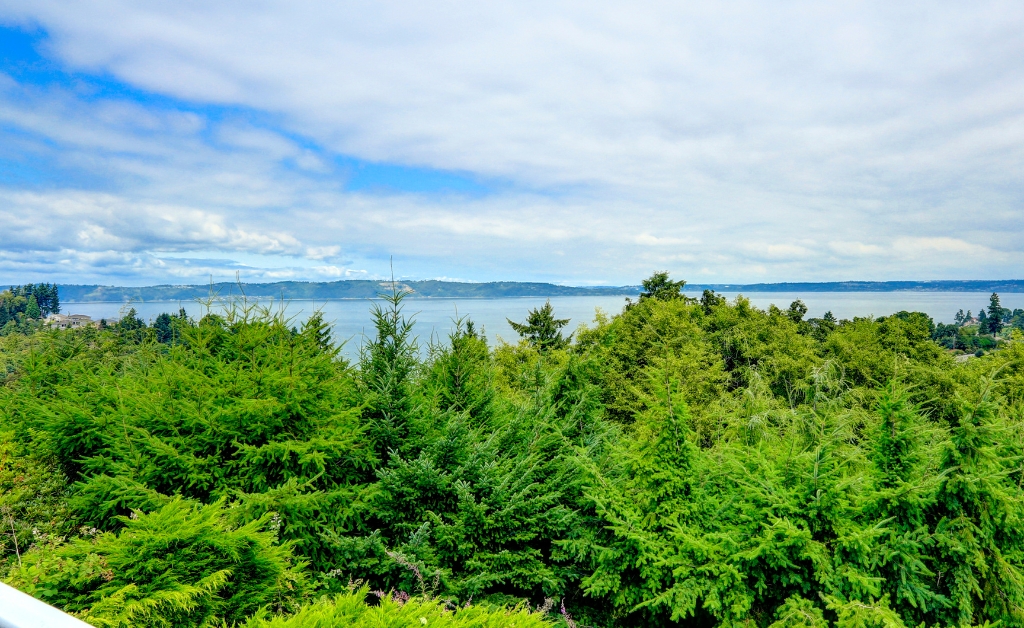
[
  {"x": 797, "y": 310},
  {"x": 54, "y": 299},
  {"x": 459, "y": 374},
  {"x": 387, "y": 361},
  {"x": 658, "y": 286},
  {"x": 901, "y": 499},
  {"x": 542, "y": 329},
  {"x": 32, "y": 310},
  {"x": 995, "y": 315},
  {"x": 979, "y": 539}
]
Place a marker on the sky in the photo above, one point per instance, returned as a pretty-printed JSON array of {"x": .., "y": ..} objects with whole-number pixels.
[{"x": 583, "y": 143}]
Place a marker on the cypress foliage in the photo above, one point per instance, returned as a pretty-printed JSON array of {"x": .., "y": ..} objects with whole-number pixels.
[
  {"x": 350, "y": 611},
  {"x": 181, "y": 564},
  {"x": 978, "y": 528}
]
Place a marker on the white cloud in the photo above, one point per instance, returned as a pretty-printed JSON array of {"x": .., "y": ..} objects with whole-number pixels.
[
  {"x": 322, "y": 252},
  {"x": 651, "y": 240},
  {"x": 856, "y": 249},
  {"x": 748, "y": 141},
  {"x": 911, "y": 246}
]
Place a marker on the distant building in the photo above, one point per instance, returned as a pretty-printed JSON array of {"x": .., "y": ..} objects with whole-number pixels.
[{"x": 70, "y": 321}]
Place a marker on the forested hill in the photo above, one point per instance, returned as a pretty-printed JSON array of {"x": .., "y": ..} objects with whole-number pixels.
[
  {"x": 365, "y": 289},
  {"x": 347, "y": 289}
]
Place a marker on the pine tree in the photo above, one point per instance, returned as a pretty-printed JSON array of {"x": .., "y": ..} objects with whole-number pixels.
[
  {"x": 542, "y": 329},
  {"x": 995, "y": 315},
  {"x": 459, "y": 375},
  {"x": 32, "y": 310},
  {"x": 387, "y": 361},
  {"x": 53, "y": 300}
]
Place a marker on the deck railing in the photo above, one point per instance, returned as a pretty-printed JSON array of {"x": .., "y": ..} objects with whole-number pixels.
[{"x": 19, "y": 610}]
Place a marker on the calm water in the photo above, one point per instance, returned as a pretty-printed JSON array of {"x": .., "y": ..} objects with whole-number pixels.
[{"x": 351, "y": 318}]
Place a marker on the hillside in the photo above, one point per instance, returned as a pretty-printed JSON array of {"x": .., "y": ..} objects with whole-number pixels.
[
  {"x": 433, "y": 289},
  {"x": 347, "y": 289}
]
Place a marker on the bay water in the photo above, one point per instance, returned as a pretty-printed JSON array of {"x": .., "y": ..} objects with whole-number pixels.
[{"x": 434, "y": 318}]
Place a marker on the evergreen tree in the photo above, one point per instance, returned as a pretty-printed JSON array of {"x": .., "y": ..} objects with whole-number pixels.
[
  {"x": 131, "y": 328},
  {"x": 978, "y": 514},
  {"x": 682, "y": 463},
  {"x": 797, "y": 310},
  {"x": 182, "y": 565},
  {"x": 459, "y": 377},
  {"x": 387, "y": 361},
  {"x": 32, "y": 310},
  {"x": 162, "y": 328},
  {"x": 168, "y": 328},
  {"x": 709, "y": 300},
  {"x": 542, "y": 329},
  {"x": 659, "y": 286},
  {"x": 995, "y": 315},
  {"x": 53, "y": 302},
  {"x": 902, "y": 495}
]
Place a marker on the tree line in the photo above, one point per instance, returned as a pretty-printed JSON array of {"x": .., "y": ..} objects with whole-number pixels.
[
  {"x": 686, "y": 461},
  {"x": 21, "y": 307}
]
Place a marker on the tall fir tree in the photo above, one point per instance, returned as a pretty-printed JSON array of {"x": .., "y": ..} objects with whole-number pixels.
[
  {"x": 542, "y": 329},
  {"x": 995, "y": 315}
]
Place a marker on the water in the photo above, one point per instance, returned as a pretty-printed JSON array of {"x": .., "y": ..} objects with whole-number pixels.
[{"x": 351, "y": 318}]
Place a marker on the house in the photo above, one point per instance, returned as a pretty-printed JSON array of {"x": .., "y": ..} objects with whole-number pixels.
[{"x": 69, "y": 321}]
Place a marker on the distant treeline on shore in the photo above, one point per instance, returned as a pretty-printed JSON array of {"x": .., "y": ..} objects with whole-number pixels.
[
  {"x": 346, "y": 289},
  {"x": 366, "y": 289}
]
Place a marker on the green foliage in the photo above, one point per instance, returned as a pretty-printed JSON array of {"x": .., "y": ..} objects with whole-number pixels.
[
  {"x": 23, "y": 307},
  {"x": 996, "y": 314},
  {"x": 131, "y": 328},
  {"x": 659, "y": 287},
  {"x": 683, "y": 462},
  {"x": 387, "y": 362},
  {"x": 979, "y": 514},
  {"x": 32, "y": 504},
  {"x": 459, "y": 378},
  {"x": 181, "y": 564},
  {"x": 243, "y": 408},
  {"x": 169, "y": 328},
  {"x": 351, "y": 611},
  {"x": 542, "y": 329}
]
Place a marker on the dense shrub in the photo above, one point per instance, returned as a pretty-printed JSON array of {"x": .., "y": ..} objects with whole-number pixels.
[{"x": 351, "y": 611}]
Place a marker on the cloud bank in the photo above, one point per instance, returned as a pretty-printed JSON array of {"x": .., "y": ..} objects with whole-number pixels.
[{"x": 571, "y": 142}]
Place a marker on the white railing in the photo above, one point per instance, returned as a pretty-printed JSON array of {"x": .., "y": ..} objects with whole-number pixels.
[{"x": 19, "y": 610}]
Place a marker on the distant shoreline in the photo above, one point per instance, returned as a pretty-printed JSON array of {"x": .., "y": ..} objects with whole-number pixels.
[{"x": 351, "y": 290}]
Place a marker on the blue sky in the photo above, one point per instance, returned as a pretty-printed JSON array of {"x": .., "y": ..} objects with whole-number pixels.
[{"x": 580, "y": 143}]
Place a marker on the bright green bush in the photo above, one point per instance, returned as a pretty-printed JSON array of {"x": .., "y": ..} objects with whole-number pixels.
[
  {"x": 244, "y": 409},
  {"x": 182, "y": 564},
  {"x": 351, "y": 611}
]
